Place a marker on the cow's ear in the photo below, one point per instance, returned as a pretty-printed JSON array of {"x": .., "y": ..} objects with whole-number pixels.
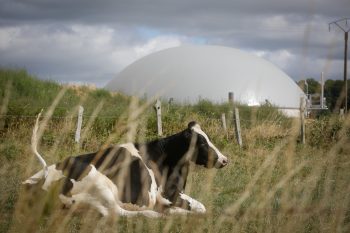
[
  {"x": 191, "y": 124},
  {"x": 188, "y": 131}
]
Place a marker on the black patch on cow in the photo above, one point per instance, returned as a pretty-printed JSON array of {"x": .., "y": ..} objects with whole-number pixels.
[
  {"x": 204, "y": 155},
  {"x": 67, "y": 187}
]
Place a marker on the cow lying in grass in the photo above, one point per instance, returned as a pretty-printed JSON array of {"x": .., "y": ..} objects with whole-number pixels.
[{"x": 151, "y": 175}]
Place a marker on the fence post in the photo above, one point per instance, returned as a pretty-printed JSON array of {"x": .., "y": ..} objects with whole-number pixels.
[
  {"x": 341, "y": 113},
  {"x": 158, "y": 107},
  {"x": 80, "y": 121},
  {"x": 4, "y": 105},
  {"x": 171, "y": 100},
  {"x": 224, "y": 126},
  {"x": 238, "y": 128},
  {"x": 230, "y": 114},
  {"x": 230, "y": 97},
  {"x": 302, "y": 119}
]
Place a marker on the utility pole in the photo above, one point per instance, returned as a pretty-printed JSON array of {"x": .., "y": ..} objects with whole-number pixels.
[
  {"x": 346, "y": 30},
  {"x": 322, "y": 92}
]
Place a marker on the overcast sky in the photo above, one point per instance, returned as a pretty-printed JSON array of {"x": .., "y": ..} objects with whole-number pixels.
[{"x": 90, "y": 41}]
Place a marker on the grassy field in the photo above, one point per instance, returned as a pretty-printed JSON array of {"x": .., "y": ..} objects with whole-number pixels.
[{"x": 272, "y": 184}]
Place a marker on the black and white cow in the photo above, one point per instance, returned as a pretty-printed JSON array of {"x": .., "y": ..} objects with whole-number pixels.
[{"x": 151, "y": 175}]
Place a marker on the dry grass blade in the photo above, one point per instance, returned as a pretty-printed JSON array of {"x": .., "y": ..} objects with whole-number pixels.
[
  {"x": 4, "y": 104},
  {"x": 273, "y": 184},
  {"x": 232, "y": 210}
]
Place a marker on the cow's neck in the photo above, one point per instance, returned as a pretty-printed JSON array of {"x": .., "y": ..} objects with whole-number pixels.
[
  {"x": 168, "y": 157},
  {"x": 169, "y": 151}
]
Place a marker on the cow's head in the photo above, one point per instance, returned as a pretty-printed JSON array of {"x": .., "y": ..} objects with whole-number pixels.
[{"x": 205, "y": 153}]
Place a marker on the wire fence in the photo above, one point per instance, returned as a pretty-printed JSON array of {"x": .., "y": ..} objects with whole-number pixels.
[
  {"x": 233, "y": 121},
  {"x": 57, "y": 117}
]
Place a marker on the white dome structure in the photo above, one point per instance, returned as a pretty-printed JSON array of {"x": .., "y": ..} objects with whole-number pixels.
[{"x": 187, "y": 73}]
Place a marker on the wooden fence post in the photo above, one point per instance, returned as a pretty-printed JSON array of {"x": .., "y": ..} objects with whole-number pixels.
[
  {"x": 170, "y": 102},
  {"x": 341, "y": 113},
  {"x": 302, "y": 119},
  {"x": 224, "y": 125},
  {"x": 79, "y": 124},
  {"x": 238, "y": 127},
  {"x": 158, "y": 107},
  {"x": 4, "y": 104},
  {"x": 230, "y": 97}
]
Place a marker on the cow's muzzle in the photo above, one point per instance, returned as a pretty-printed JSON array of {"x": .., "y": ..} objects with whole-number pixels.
[{"x": 221, "y": 162}]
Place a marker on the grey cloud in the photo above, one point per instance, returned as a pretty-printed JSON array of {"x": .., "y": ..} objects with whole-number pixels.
[
  {"x": 299, "y": 27},
  {"x": 136, "y": 12}
]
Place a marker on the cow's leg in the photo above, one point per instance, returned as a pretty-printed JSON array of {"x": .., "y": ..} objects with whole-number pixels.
[
  {"x": 100, "y": 192},
  {"x": 179, "y": 211},
  {"x": 187, "y": 204},
  {"x": 99, "y": 205},
  {"x": 66, "y": 201},
  {"x": 107, "y": 205},
  {"x": 127, "y": 213}
]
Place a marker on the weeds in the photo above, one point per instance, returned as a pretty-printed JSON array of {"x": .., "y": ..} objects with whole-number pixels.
[{"x": 272, "y": 184}]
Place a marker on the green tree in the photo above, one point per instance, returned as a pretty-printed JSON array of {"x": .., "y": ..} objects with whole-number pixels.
[
  {"x": 332, "y": 92},
  {"x": 313, "y": 86}
]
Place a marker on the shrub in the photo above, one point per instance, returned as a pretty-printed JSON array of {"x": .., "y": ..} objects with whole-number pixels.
[{"x": 324, "y": 131}]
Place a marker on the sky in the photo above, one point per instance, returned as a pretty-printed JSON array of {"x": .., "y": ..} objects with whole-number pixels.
[{"x": 90, "y": 41}]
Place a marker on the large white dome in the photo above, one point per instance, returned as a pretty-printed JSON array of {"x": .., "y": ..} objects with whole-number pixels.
[{"x": 187, "y": 73}]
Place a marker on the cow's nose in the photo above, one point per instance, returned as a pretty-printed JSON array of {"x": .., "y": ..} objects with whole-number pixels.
[{"x": 224, "y": 162}]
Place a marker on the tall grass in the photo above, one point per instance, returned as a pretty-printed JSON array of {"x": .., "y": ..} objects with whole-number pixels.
[{"x": 272, "y": 184}]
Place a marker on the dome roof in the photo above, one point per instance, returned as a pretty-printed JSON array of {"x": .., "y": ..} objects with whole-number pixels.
[{"x": 187, "y": 73}]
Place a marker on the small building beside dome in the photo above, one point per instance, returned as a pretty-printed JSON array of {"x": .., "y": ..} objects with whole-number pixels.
[{"x": 188, "y": 73}]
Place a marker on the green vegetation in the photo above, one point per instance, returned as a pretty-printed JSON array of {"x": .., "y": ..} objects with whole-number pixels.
[
  {"x": 332, "y": 91},
  {"x": 272, "y": 184}
]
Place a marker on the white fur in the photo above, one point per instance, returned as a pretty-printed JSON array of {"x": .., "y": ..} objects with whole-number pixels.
[
  {"x": 132, "y": 149},
  {"x": 179, "y": 211},
  {"x": 195, "y": 205},
  {"x": 35, "y": 178},
  {"x": 52, "y": 175},
  {"x": 99, "y": 191},
  {"x": 160, "y": 198}
]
